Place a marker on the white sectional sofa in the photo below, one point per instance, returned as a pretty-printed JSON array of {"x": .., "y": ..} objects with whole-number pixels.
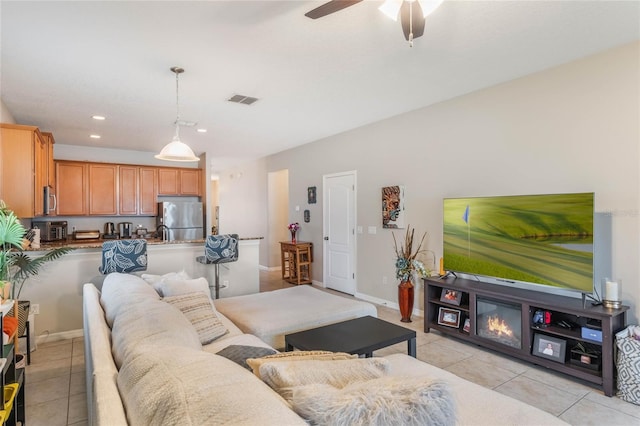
[{"x": 146, "y": 364}]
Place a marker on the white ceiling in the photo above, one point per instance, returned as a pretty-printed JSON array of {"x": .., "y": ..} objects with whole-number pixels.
[{"x": 65, "y": 61}]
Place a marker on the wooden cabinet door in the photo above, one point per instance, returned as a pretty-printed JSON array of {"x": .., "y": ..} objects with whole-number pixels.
[
  {"x": 41, "y": 173},
  {"x": 71, "y": 188},
  {"x": 103, "y": 184},
  {"x": 190, "y": 182},
  {"x": 128, "y": 190},
  {"x": 168, "y": 181},
  {"x": 17, "y": 169},
  {"x": 148, "y": 191}
]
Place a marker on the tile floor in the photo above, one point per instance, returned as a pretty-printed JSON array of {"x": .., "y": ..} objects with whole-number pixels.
[{"x": 56, "y": 389}]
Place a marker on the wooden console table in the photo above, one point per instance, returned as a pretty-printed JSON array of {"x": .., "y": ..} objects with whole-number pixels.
[{"x": 296, "y": 261}]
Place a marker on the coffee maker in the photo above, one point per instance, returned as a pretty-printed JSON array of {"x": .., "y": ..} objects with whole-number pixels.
[
  {"x": 125, "y": 229},
  {"x": 109, "y": 231}
]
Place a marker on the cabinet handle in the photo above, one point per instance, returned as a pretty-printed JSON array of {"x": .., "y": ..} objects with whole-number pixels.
[{"x": 55, "y": 202}]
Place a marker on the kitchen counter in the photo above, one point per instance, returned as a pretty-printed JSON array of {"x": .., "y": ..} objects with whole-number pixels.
[{"x": 85, "y": 244}]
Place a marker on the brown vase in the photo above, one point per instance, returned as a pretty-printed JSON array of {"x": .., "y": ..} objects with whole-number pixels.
[
  {"x": 293, "y": 236},
  {"x": 405, "y": 300}
]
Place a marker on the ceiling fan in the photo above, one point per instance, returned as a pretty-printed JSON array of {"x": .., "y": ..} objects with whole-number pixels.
[{"x": 412, "y": 13}]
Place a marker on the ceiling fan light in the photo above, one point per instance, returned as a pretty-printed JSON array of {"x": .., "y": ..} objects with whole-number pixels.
[
  {"x": 177, "y": 151},
  {"x": 428, "y": 6},
  {"x": 391, "y": 8}
]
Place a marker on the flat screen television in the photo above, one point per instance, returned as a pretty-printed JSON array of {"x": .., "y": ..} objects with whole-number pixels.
[{"x": 542, "y": 240}]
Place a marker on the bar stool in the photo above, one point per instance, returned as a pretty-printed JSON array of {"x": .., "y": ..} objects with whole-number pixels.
[
  {"x": 124, "y": 256},
  {"x": 219, "y": 249}
]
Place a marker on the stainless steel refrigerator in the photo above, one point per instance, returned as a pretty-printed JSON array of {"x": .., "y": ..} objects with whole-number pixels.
[{"x": 183, "y": 220}]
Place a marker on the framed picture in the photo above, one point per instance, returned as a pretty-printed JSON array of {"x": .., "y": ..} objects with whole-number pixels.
[
  {"x": 311, "y": 195},
  {"x": 451, "y": 296},
  {"x": 549, "y": 347},
  {"x": 449, "y": 317},
  {"x": 393, "y": 207},
  {"x": 467, "y": 325}
]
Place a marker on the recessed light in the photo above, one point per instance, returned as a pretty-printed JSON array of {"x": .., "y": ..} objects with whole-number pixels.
[
  {"x": 201, "y": 130},
  {"x": 94, "y": 136},
  {"x": 98, "y": 117}
]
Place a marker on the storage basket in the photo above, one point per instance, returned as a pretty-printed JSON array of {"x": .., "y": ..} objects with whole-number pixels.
[{"x": 628, "y": 364}]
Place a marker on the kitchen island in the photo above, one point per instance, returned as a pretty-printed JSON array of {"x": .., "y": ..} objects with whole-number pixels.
[{"x": 58, "y": 287}]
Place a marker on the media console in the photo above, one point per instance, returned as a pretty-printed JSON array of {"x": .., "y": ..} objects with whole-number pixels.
[{"x": 549, "y": 330}]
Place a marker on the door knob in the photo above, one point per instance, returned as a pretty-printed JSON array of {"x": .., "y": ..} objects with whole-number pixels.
[{"x": 326, "y": 238}]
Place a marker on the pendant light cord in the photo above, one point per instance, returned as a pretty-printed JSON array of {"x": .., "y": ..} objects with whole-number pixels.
[
  {"x": 411, "y": 23},
  {"x": 177, "y": 71}
]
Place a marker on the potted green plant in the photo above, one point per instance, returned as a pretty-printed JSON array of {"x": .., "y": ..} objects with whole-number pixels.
[{"x": 15, "y": 265}]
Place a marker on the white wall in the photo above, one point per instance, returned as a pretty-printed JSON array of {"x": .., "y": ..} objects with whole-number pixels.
[
  {"x": 574, "y": 128},
  {"x": 278, "y": 217},
  {"x": 5, "y": 114}
]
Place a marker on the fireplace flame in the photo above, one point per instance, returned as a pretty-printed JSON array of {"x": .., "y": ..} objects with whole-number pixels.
[{"x": 498, "y": 326}]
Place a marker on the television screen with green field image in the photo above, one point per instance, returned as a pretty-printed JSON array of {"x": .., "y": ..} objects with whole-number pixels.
[{"x": 534, "y": 239}]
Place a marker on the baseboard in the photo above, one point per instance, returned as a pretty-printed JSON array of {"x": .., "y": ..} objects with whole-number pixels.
[
  {"x": 63, "y": 335},
  {"x": 387, "y": 303}
]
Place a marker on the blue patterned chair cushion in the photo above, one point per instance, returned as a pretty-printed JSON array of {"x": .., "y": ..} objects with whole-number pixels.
[
  {"x": 124, "y": 256},
  {"x": 221, "y": 248}
]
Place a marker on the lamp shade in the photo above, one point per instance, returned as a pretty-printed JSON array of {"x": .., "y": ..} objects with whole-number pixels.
[{"x": 177, "y": 151}]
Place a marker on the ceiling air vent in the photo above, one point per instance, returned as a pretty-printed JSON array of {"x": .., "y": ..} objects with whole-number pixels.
[{"x": 241, "y": 99}]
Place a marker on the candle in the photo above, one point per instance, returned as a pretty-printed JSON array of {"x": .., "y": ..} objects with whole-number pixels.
[
  {"x": 441, "y": 266},
  {"x": 612, "y": 290}
]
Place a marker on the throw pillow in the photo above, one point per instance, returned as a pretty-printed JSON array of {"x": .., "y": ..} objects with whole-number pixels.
[
  {"x": 297, "y": 356},
  {"x": 176, "y": 287},
  {"x": 240, "y": 353},
  {"x": 199, "y": 311},
  {"x": 285, "y": 376},
  {"x": 391, "y": 400},
  {"x": 156, "y": 280}
]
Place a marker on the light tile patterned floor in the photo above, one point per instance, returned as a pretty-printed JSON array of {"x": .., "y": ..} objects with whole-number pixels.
[{"x": 56, "y": 392}]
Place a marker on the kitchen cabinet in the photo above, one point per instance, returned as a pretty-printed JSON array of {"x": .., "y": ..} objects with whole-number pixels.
[
  {"x": 128, "y": 190},
  {"x": 138, "y": 191},
  {"x": 148, "y": 194},
  {"x": 24, "y": 164},
  {"x": 175, "y": 181},
  {"x": 72, "y": 183},
  {"x": 103, "y": 185},
  {"x": 49, "y": 170}
]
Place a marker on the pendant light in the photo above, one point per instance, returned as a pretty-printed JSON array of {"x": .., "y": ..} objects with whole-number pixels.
[
  {"x": 176, "y": 150},
  {"x": 391, "y": 8}
]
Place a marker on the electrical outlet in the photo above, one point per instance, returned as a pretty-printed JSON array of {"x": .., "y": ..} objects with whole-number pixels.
[
  {"x": 35, "y": 308},
  {"x": 384, "y": 280}
]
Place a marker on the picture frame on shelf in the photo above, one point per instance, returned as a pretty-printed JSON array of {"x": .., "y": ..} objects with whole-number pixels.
[
  {"x": 449, "y": 317},
  {"x": 549, "y": 347},
  {"x": 453, "y": 297},
  {"x": 467, "y": 325}
]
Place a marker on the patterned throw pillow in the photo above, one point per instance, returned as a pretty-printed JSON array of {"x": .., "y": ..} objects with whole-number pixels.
[{"x": 199, "y": 311}]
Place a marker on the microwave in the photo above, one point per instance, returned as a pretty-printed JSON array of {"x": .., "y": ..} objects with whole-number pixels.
[{"x": 51, "y": 231}]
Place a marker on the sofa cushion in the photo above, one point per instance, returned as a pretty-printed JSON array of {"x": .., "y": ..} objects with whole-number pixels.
[
  {"x": 199, "y": 311},
  {"x": 152, "y": 325},
  {"x": 240, "y": 353},
  {"x": 255, "y": 363},
  {"x": 120, "y": 291},
  {"x": 179, "y": 386},
  {"x": 382, "y": 401},
  {"x": 283, "y": 377}
]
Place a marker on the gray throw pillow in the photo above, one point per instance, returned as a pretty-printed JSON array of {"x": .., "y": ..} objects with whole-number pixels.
[{"x": 240, "y": 353}]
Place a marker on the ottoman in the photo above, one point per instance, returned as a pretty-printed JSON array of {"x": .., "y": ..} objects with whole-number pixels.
[{"x": 273, "y": 314}]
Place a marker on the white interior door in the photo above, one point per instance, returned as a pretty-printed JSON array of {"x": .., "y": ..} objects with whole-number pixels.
[{"x": 339, "y": 222}]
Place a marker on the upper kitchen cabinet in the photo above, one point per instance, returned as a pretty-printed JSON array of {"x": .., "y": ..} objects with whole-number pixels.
[
  {"x": 72, "y": 183},
  {"x": 25, "y": 170},
  {"x": 174, "y": 181},
  {"x": 103, "y": 185},
  {"x": 138, "y": 191}
]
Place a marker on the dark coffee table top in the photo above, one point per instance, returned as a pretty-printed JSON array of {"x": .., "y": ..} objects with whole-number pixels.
[{"x": 357, "y": 336}]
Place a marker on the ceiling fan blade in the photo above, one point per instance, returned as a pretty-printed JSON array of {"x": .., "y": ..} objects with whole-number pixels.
[
  {"x": 329, "y": 8},
  {"x": 418, "y": 19}
]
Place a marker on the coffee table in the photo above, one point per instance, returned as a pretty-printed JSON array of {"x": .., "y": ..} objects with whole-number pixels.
[{"x": 359, "y": 336}]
